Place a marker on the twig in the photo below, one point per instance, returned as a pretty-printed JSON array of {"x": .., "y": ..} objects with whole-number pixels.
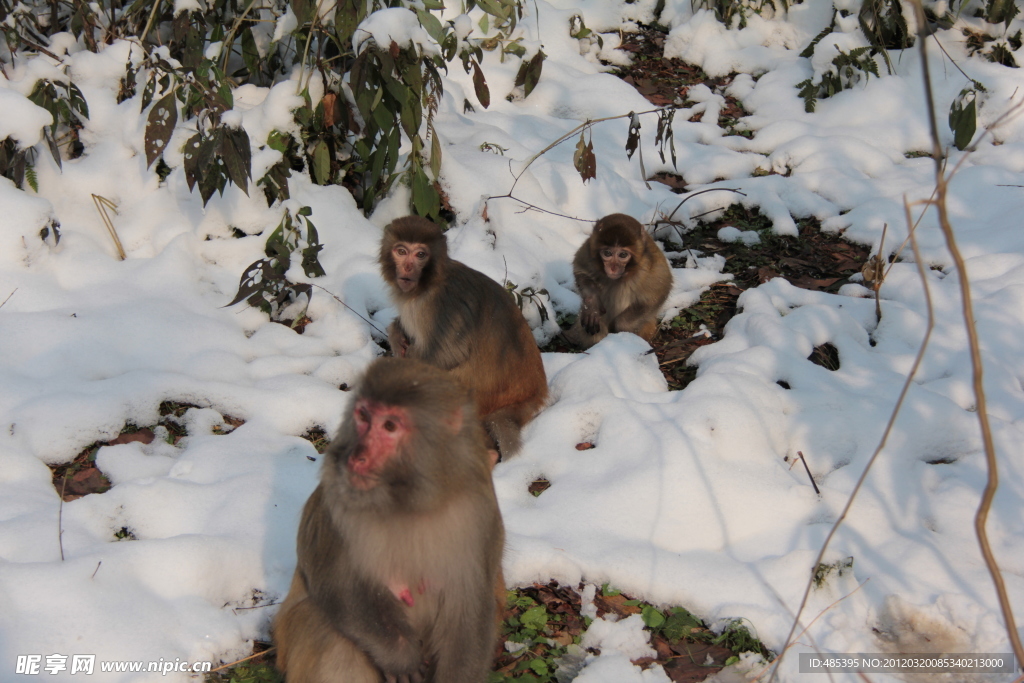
[
  {"x": 269, "y": 604},
  {"x": 818, "y": 616},
  {"x": 349, "y": 308},
  {"x": 878, "y": 450},
  {"x": 808, "y": 470},
  {"x": 556, "y": 143},
  {"x": 96, "y": 570},
  {"x": 244, "y": 659},
  {"x": 941, "y": 180},
  {"x": 102, "y": 204},
  {"x": 229, "y": 39},
  {"x": 8, "y": 297},
  {"x": 149, "y": 22},
  {"x": 39, "y": 48},
  {"x": 60, "y": 517}
]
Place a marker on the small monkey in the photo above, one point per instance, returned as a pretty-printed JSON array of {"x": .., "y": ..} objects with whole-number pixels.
[
  {"x": 462, "y": 321},
  {"x": 623, "y": 279},
  {"x": 399, "y": 547}
]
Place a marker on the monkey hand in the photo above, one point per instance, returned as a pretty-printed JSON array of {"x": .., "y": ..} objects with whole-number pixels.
[
  {"x": 590, "y": 316},
  {"x": 418, "y": 676}
]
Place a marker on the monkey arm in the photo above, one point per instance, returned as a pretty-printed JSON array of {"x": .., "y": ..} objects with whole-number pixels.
[
  {"x": 369, "y": 615},
  {"x": 360, "y": 608},
  {"x": 398, "y": 339},
  {"x": 590, "y": 308}
]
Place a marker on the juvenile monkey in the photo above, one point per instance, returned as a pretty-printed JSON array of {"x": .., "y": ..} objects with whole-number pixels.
[
  {"x": 399, "y": 547},
  {"x": 623, "y": 279},
  {"x": 462, "y": 321}
]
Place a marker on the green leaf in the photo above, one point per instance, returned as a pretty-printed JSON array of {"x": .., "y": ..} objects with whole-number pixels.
[
  {"x": 652, "y": 617},
  {"x": 539, "y": 666},
  {"x": 303, "y": 10},
  {"x": 431, "y": 24},
  {"x": 321, "y": 164},
  {"x": 435, "y": 153},
  {"x": 535, "y": 618},
  {"x": 963, "y": 119},
  {"x": 425, "y": 200}
]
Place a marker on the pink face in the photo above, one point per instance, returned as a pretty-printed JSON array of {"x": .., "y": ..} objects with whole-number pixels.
[
  {"x": 615, "y": 260},
  {"x": 410, "y": 260},
  {"x": 382, "y": 431}
]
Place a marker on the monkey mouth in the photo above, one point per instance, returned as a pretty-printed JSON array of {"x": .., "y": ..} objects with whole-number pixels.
[{"x": 406, "y": 283}]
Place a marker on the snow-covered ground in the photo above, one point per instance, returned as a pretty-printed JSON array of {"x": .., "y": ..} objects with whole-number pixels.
[{"x": 688, "y": 497}]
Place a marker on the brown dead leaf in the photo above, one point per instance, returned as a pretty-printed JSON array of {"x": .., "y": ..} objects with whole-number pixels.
[
  {"x": 144, "y": 435},
  {"x": 616, "y": 604},
  {"x": 584, "y": 446}
]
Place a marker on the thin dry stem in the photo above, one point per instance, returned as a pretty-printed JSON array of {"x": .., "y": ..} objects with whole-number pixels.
[
  {"x": 878, "y": 450},
  {"x": 244, "y": 659},
  {"x": 8, "y": 297},
  {"x": 981, "y": 404},
  {"x": 102, "y": 204},
  {"x": 60, "y": 517}
]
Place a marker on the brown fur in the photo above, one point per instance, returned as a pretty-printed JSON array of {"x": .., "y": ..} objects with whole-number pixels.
[
  {"x": 630, "y": 303},
  {"x": 429, "y": 525},
  {"x": 462, "y": 321}
]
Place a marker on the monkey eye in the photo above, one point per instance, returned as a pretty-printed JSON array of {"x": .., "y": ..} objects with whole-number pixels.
[
  {"x": 401, "y": 251},
  {"x": 607, "y": 253},
  {"x": 390, "y": 426},
  {"x": 421, "y": 255},
  {"x": 623, "y": 254}
]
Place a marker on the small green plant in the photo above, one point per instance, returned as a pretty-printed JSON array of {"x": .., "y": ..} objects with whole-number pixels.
[
  {"x": 528, "y": 293},
  {"x": 885, "y": 27},
  {"x": 839, "y": 568},
  {"x": 963, "y": 115},
  {"x": 531, "y": 627},
  {"x": 848, "y": 68},
  {"x": 264, "y": 283},
  {"x": 247, "y": 672}
]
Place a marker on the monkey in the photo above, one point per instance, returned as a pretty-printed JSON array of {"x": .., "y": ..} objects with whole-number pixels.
[
  {"x": 462, "y": 321},
  {"x": 400, "y": 546},
  {"x": 623, "y": 279}
]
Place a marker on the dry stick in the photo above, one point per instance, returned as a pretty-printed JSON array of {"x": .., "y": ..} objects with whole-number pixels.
[
  {"x": 976, "y": 365},
  {"x": 96, "y": 570},
  {"x": 229, "y": 39},
  {"x": 349, "y": 308},
  {"x": 149, "y": 22},
  {"x": 244, "y": 659},
  {"x": 808, "y": 470},
  {"x": 556, "y": 143},
  {"x": 878, "y": 450},
  {"x": 102, "y": 203},
  {"x": 818, "y": 616},
  {"x": 60, "y": 517},
  {"x": 8, "y": 297}
]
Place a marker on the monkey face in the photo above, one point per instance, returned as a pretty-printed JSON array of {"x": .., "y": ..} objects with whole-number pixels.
[
  {"x": 410, "y": 260},
  {"x": 382, "y": 430},
  {"x": 615, "y": 260}
]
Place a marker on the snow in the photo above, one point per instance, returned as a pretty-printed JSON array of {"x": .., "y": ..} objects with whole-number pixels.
[{"x": 689, "y": 497}]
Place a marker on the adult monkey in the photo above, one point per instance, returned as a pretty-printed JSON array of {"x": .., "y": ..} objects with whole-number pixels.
[
  {"x": 462, "y": 321},
  {"x": 399, "y": 548},
  {"x": 623, "y": 279}
]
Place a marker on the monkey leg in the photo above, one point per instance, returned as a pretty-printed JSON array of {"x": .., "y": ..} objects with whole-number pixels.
[
  {"x": 310, "y": 650},
  {"x": 579, "y": 336}
]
